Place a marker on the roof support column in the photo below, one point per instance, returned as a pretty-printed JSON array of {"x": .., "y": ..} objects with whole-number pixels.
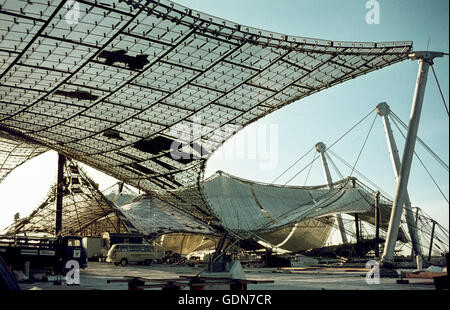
[
  {"x": 357, "y": 229},
  {"x": 425, "y": 60},
  {"x": 377, "y": 224},
  {"x": 59, "y": 194},
  {"x": 431, "y": 241},
  {"x": 417, "y": 227},
  {"x": 384, "y": 110},
  {"x": 321, "y": 148}
]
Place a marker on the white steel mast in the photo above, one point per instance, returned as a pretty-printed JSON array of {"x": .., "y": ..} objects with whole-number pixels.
[
  {"x": 321, "y": 148},
  {"x": 384, "y": 110},
  {"x": 425, "y": 59}
]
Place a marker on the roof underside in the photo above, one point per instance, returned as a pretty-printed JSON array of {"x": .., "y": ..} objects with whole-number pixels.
[
  {"x": 14, "y": 152},
  {"x": 126, "y": 85}
]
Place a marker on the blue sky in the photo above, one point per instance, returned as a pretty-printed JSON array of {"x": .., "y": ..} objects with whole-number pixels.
[{"x": 327, "y": 115}]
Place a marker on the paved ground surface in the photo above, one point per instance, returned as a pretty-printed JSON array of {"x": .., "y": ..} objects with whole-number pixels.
[{"x": 96, "y": 275}]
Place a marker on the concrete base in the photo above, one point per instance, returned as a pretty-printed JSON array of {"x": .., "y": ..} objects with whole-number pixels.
[{"x": 235, "y": 272}]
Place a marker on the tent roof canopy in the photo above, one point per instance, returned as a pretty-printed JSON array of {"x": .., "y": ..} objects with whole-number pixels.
[{"x": 130, "y": 82}]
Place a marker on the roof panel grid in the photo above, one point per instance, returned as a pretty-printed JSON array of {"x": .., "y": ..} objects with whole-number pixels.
[
  {"x": 25, "y": 120},
  {"x": 67, "y": 133},
  {"x": 16, "y": 32},
  {"x": 117, "y": 139},
  {"x": 34, "y": 78},
  {"x": 35, "y": 9},
  {"x": 126, "y": 72},
  {"x": 7, "y": 108},
  {"x": 22, "y": 125},
  {"x": 14, "y": 152},
  {"x": 101, "y": 77},
  {"x": 17, "y": 95},
  {"x": 192, "y": 98},
  {"x": 254, "y": 56},
  {"x": 164, "y": 114},
  {"x": 93, "y": 28},
  {"x": 6, "y": 58},
  {"x": 140, "y": 128},
  {"x": 110, "y": 111},
  {"x": 89, "y": 123},
  {"x": 136, "y": 154}
]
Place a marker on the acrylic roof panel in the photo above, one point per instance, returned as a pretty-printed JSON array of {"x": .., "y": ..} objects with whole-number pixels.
[
  {"x": 119, "y": 87},
  {"x": 14, "y": 152}
]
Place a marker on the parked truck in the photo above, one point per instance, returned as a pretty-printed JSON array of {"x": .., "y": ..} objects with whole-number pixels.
[{"x": 49, "y": 255}]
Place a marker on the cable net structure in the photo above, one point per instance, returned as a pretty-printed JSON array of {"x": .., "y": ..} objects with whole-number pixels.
[
  {"x": 14, "y": 152},
  {"x": 83, "y": 206},
  {"x": 120, "y": 194},
  {"x": 291, "y": 218},
  {"x": 288, "y": 217},
  {"x": 146, "y": 91}
]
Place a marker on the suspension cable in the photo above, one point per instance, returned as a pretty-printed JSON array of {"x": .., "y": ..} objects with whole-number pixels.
[
  {"x": 335, "y": 142},
  {"x": 423, "y": 165},
  {"x": 432, "y": 178},
  {"x": 440, "y": 90},
  {"x": 364, "y": 145},
  {"x": 361, "y": 175},
  {"x": 310, "y": 168},
  {"x": 334, "y": 166},
  {"x": 308, "y": 165},
  {"x": 356, "y": 125},
  {"x": 394, "y": 118},
  {"x": 296, "y": 162}
]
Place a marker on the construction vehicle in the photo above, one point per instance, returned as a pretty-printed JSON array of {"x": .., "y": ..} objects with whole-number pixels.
[{"x": 42, "y": 254}]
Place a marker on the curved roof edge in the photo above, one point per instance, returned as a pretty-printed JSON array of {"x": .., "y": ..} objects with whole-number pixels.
[
  {"x": 274, "y": 39},
  {"x": 243, "y": 180}
]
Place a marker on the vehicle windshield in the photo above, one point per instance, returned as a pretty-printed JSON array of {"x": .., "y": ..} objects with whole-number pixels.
[{"x": 73, "y": 243}]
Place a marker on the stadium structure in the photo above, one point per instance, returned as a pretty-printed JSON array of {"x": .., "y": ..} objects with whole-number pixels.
[{"x": 146, "y": 91}]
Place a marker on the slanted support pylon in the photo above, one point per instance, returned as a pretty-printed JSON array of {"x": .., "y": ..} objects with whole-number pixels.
[
  {"x": 321, "y": 148},
  {"x": 425, "y": 59},
  {"x": 431, "y": 241},
  {"x": 384, "y": 110}
]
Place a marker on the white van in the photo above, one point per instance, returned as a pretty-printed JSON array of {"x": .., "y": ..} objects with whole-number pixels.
[{"x": 125, "y": 253}]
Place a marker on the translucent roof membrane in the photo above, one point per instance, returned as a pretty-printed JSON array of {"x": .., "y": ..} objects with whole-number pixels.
[
  {"x": 122, "y": 87},
  {"x": 83, "y": 204},
  {"x": 246, "y": 207},
  {"x": 14, "y": 152},
  {"x": 294, "y": 217},
  {"x": 154, "y": 217}
]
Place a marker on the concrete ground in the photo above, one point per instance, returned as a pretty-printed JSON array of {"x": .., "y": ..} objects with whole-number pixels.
[{"x": 96, "y": 275}]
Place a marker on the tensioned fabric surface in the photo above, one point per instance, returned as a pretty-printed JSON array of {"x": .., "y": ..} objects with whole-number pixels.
[
  {"x": 130, "y": 83},
  {"x": 83, "y": 205},
  {"x": 241, "y": 208},
  {"x": 246, "y": 209}
]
